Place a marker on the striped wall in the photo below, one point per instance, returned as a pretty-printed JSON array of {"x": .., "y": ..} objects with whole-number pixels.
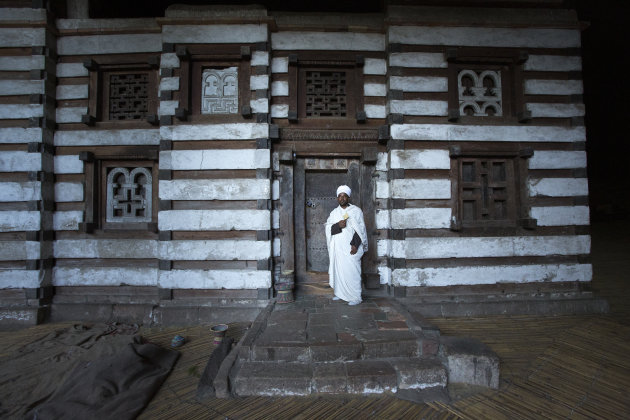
[
  {"x": 370, "y": 46},
  {"x": 217, "y": 225},
  {"x": 418, "y": 201},
  {"x": 214, "y": 187},
  {"x": 27, "y": 97}
]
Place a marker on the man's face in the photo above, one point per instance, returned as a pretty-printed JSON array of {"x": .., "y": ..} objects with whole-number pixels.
[{"x": 343, "y": 199}]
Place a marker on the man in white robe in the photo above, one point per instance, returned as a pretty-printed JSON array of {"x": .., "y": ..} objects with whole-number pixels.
[{"x": 347, "y": 241}]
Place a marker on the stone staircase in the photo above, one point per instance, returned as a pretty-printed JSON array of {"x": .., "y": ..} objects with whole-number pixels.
[{"x": 317, "y": 346}]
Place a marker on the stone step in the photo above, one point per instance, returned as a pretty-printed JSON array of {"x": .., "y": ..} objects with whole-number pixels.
[
  {"x": 360, "y": 377},
  {"x": 286, "y": 345},
  {"x": 517, "y": 305}
]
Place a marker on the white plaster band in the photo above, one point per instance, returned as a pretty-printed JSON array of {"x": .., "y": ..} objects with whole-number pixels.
[
  {"x": 375, "y": 66},
  {"x": 107, "y": 137},
  {"x": 558, "y": 187},
  {"x": 418, "y": 60},
  {"x": 489, "y": 247},
  {"x": 19, "y": 221},
  {"x": 72, "y": 70},
  {"x": 190, "y": 160},
  {"x": 561, "y": 215},
  {"x": 20, "y": 135},
  {"x": 35, "y": 62},
  {"x": 20, "y": 191},
  {"x": 219, "y": 250},
  {"x": 104, "y": 276},
  {"x": 552, "y": 63},
  {"x": 68, "y": 192},
  {"x": 70, "y": 115},
  {"x": 280, "y": 65},
  {"x": 348, "y": 41},
  {"x": 419, "y": 83},
  {"x": 106, "y": 248},
  {"x": 244, "y": 131},
  {"x": 445, "y": 132},
  {"x": 214, "y": 220},
  {"x": 19, "y": 250},
  {"x": 260, "y": 58},
  {"x": 14, "y": 161},
  {"x": 419, "y": 107},
  {"x": 485, "y": 37},
  {"x": 280, "y": 89},
  {"x": 21, "y": 87},
  {"x": 421, "y": 218},
  {"x": 215, "y": 189},
  {"x": 258, "y": 82},
  {"x": 553, "y": 87},
  {"x": 73, "y": 92},
  {"x": 23, "y": 37},
  {"x": 67, "y": 220},
  {"x": 420, "y": 159},
  {"x": 540, "y": 110},
  {"x": 215, "y": 279},
  {"x": 421, "y": 189},
  {"x": 19, "y": 279},
  {"x": 13, "y": 112},
  {"x": 214, "y": 34},
  {"x": 280, "y": 111},
  {"x": 375, "y": 89},
  {"x": 109, "y": 44},
  {"x": 557, "y": 159},
  {"x": 455, "y": 276},
  {"x": 375, "y": 111}
]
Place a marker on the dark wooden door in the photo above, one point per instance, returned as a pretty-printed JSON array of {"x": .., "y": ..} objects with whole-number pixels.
[{"x": 317, "y": 180}]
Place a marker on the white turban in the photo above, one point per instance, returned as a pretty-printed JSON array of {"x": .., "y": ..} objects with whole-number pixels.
[{"x": 344, "y": 189}]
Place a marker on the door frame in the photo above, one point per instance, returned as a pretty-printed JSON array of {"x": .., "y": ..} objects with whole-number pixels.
[{"x": 291, "y": 207}]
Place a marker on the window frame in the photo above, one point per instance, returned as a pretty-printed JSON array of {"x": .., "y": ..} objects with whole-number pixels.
[
  {"x": 193, "y": 60},
  {"x": 509, "y": 62},
  {"x": 300, "y": 63},
  {"x": 98, "y": 102},
  {"x": 96, "y": 164},
  {"x": 519, "y": 205}
]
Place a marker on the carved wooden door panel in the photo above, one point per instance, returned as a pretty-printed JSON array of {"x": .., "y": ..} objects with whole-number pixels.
[{"x": 315, "y": 199}]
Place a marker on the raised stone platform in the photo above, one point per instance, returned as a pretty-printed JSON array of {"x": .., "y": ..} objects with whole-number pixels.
[{"x": 319, "y": 346}]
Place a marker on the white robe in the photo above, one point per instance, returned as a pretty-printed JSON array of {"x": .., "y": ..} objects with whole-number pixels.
[{"x": 344, "y": 270}]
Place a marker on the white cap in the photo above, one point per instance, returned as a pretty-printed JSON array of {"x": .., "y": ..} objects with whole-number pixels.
[{"x": 344, "y": 189}]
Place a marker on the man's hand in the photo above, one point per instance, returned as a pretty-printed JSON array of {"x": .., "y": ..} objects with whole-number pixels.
[
  {"x": 342, "y": 223},
  {"x": 353, "y": 249}
]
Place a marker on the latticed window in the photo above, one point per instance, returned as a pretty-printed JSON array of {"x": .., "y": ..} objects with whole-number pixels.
[
  {"x": 480, "y": 93},
  {"x": 219, "y": 91},
  {"x": 129, "y": 195},
  {"x": 326, "y": 94},
  {"x": 128, "y": 96},
  {"x": 486, "y": 85},
  {"x": 487, "y": 190}
]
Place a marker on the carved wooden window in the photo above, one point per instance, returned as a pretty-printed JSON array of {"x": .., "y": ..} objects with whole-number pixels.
[
  {"x": 120, "y": 189},
  {"x": 486, "y": 84},
  {"x": 128, "y": 95},
  {"x": 486, "y": 189},
  {"x": 326, "y": 93},
  {"x": 214, "y": 82},
  {"x": 480, "y": 93},
  {"x": 326, "y": 86},
  {"x": 490, "y": 189},
  {"x": 219, "y": 91},
  {"x": 122, "y": 91},
  {"x": 129, "y": 193}
]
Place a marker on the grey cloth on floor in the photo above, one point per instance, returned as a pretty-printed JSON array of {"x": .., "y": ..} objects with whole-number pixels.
[{"x": 90, "y": 372}]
